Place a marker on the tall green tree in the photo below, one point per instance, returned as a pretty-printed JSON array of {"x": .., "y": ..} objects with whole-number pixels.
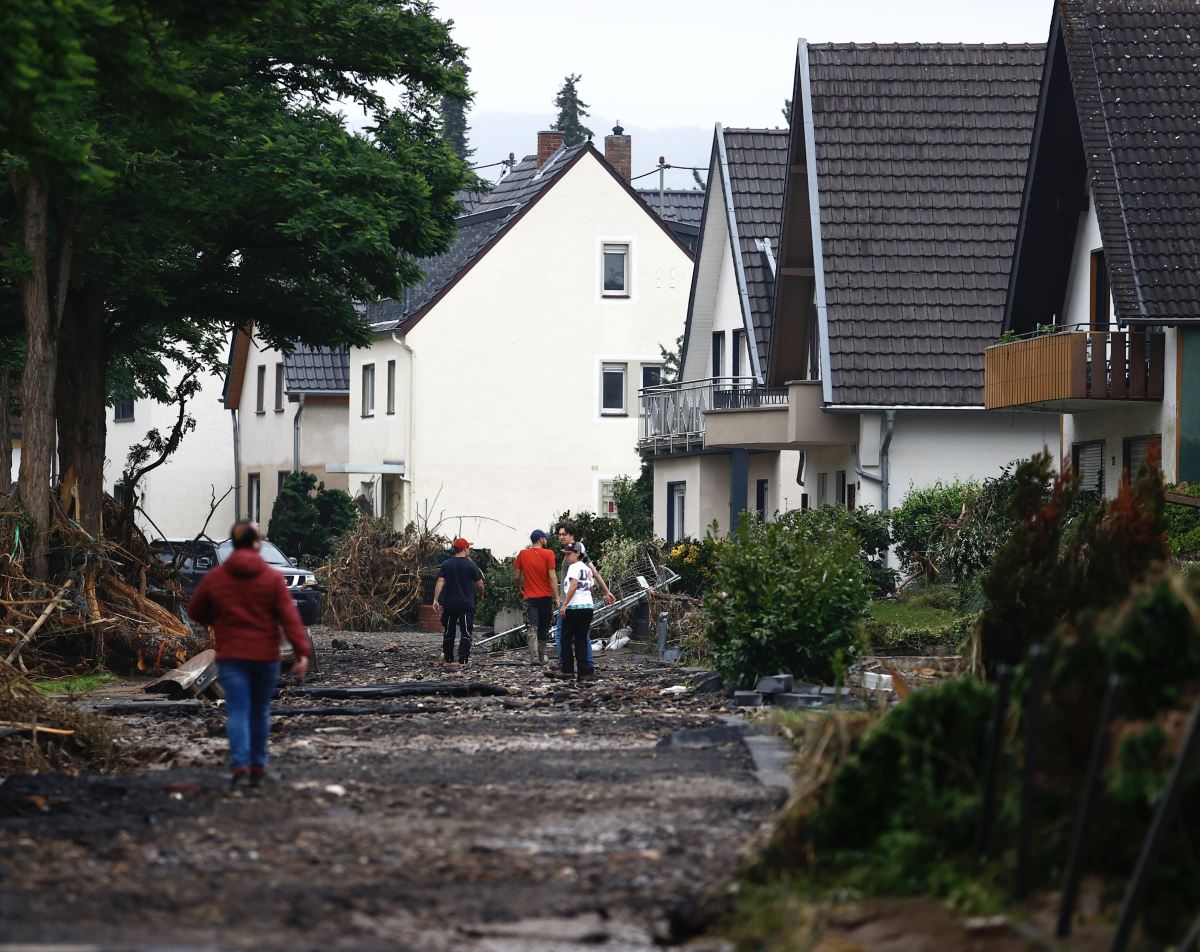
[
  {"x": 571, "y": 112},
  {"x": 454, "y": 110},
  {"x": 215, "y": 188}
]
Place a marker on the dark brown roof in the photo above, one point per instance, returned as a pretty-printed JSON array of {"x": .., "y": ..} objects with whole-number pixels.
[
  {"x": 920, "y": 153},
  {"x": 684, "y": 205},
  {"x": 756, "y": 160},
  {"x": 317, "y": 370},
  {"x": 1135, "y": 71}
]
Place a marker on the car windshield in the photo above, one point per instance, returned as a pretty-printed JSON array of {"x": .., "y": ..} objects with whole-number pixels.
[{"x": 269, "y": 551}]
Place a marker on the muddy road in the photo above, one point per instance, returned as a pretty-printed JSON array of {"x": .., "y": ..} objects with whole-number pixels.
[{"x": 546, "y": 818}]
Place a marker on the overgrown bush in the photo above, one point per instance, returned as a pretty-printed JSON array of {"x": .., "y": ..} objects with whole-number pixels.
[
  {"x": 307, "y": 517},
  {"x": 918, "y": 523},
  {"x": 1183, "y": 525},
  {"x": 786, "y": 600},
  {"x": 693, "y": 561},
  {"x": 499, "y": 591},
  {"x": 869, "y": 527},
  {"x": 635, "y": 503},
  {"x": 595, "y": 532}
]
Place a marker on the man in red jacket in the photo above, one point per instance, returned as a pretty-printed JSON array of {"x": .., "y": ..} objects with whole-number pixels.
[{"x": 247, "y": 602}]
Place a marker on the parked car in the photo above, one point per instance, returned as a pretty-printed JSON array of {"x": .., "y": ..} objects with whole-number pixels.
[{"x": 195, "y": 557}]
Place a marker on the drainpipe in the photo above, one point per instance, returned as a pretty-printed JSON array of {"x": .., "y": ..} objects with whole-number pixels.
[
  {"x": 296, "y": 436},
  {"x": 889, "y": 429},
  {"x": 412, "y": 422},
  {"x": 237, "y": 467}
]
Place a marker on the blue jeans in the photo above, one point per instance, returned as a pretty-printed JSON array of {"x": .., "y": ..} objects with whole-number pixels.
[
  {"x": 558, "y": 638},
  {"x": 249, "y": 687}
]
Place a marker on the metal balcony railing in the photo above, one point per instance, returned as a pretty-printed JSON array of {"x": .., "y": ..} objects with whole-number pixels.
[{"x": 671, "y": 416}]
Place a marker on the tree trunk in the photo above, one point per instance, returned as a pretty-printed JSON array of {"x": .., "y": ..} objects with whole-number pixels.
[
  {"x": 37, "y": 382},
  {"x": 6, "y": 447},
  {"x": 82, "y": 416}
]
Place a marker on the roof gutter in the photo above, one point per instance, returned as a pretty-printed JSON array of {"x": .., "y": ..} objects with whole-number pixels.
[
  {"x": 237, "y": 466},
  {"x": 885, "y": 467},
  {"x": 735, "y": 245},
  {"x": 814, "y": 211},
  {"x": 296, "y": 435}
]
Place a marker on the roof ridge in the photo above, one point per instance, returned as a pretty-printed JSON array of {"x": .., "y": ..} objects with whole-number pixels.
[{"x": 926, "y": 46}]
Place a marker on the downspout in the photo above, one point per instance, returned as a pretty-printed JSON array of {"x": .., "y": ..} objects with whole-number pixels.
[
  {"x": 884, "y": 477},
  {"x": 412, "y": 421},
  {"x": 296, "y": 436},
  {"x": 237, "y": 467}
]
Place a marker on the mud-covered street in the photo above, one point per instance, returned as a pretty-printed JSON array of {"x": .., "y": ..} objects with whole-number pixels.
[{"x": 544, "y": 818}]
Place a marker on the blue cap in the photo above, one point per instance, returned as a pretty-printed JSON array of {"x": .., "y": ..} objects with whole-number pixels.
[{"x": 537, "y": 534}]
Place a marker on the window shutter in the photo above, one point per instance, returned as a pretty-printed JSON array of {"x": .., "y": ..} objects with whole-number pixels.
[{"x": 1088, "y": 461}]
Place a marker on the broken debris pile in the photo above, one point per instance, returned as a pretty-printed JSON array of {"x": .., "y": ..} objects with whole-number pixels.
[
  {"x": 105, "y": 603},
  {"x": 373, "y": 577}
]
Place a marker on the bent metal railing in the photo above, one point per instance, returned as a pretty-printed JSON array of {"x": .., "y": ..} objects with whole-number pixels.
[{"x": 671, "y": 416}]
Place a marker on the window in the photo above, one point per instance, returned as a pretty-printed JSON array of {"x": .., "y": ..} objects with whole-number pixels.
[
  {"x": 718, "y": 354},
  {"x": 279, "y": 387},
  {"x": 280, "y": 479},
  {"x": 608, "y": 499},
  {"x": 1138, "y": 450},
  {"x": 675, "y": 498},
  {"x": 612, "y": 398},
  {"x": 123, "y": 411},
  {"x": 760, "y": 500},
  {"x": 1087, "y": 459},
  {"x": 652, "y": 375},
  {"x": 822, "y": 488},
  {"x": 1099, "y": 308},
  {"x": 804, "y": 501},
  {"x": 261, "y": 406},
  {"x": 253, "y": 496},
  {"x": 739, "y": 355},
  {"x": 851, "y": 495},
  {"x": 616, "y": 271},
  {"x": 119, "y": 493},
  {"x": 840, "y": 477},
  {"x": 368, "y": 390},
  {"x": 391, "y": 387}
]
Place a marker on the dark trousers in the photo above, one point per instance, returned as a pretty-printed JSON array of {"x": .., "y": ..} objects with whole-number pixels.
[
  {"x": 249, "y": 687},
  {"x": 457, "y": 622},
  {"x": 576, "y": 631}
]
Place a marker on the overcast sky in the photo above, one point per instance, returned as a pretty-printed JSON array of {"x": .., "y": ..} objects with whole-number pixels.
[{"x": 670, "y": 70}]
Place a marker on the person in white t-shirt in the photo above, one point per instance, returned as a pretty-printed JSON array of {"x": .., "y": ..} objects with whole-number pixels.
[{"x": 576, "y": 609}]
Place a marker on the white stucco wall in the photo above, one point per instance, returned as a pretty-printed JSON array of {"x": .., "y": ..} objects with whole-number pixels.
[
  {"x": 505, "y": 384},
  {"x": 178, "y": 494},
  {"x": 1077, "y": 309},
  {"x": 707, "y": 495}
]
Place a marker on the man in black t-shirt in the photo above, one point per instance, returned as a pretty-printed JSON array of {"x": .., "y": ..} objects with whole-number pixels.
[{"x": 459, "y": 583}]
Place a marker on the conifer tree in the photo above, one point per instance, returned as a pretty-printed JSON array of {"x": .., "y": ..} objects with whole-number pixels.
[
  {"x": 571, "y": 112},
  {"x": 454, "y": 120}
]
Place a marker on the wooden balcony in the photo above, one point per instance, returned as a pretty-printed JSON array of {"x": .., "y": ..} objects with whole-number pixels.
[{"x": 1074, "y": 371}]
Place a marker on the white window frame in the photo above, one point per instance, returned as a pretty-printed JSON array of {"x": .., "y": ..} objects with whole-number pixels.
[
  {"x": 606, "y": 368},
  {"x": 822, "y": 489},
  {"x": 368, "y": 390},
  {"x": 391, "y": 387},
  {"x": 648, "y": 365},
  {"x": 117, "y": 407},
  {"x": 615, "y": 247},
  {"x": 607, "y": 494}
]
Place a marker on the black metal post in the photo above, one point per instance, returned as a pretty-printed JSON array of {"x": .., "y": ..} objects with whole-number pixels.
[
  {"x": 662, "y": 634},
  {"x": 1163, "y": 814},
  {"x": 992, "y": 745},
  {"x": 1070, "y": 886},
  {"x": 1033, "y": 726}
]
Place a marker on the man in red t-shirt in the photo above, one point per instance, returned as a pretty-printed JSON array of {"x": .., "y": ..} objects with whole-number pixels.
[{"x": 533, "y": 571}]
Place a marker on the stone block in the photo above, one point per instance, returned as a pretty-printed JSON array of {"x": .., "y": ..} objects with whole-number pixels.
[
  {"x": 775, "y": 684},
  {"x": 747, "y": 699},
  {"x": 798, "y": 702}
]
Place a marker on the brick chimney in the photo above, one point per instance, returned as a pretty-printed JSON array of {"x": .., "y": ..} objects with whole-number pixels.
[
  {"x": 618, "y": 149},
  {"x": 548, "y": 144}
]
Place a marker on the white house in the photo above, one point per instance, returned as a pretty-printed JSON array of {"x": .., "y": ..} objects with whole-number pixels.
[
  {"x": 871, "y": 302},
  {"x": 502, "y": 390},
  {"x": 1107, "y": 257}
]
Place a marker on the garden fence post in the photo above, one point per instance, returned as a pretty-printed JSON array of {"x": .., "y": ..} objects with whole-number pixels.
[
  {"x": 662, "y": 634},
  {"x": 992, "y": 745},
  {"x": 1070, "y": 886},
  {"x": 1163, "y": 814},
  {"x": 1033, "y": 726}
]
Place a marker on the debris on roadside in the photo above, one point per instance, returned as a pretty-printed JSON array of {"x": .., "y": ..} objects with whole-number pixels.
[{"x": 195, "y": 677}]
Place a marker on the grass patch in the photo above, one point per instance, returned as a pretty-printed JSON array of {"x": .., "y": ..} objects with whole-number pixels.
[
  {"x": 904, "y": 614},
  {"x": 80, "y": 684}
]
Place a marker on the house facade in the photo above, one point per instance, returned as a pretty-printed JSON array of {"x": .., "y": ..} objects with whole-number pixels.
[
  {"x": 882, "y": 287},
  {"x": 1103, "y": 303}
]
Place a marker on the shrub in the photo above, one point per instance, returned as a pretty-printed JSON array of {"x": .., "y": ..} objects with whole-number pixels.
[
  {"x": 868, "y": 526},
  {"x": 693, "y": 561},
  {"x": 635, "y": 503},
  {"x": 1183, "y": 525},
  {"x": 307, "y": 517},
  {"x": 595, "y": 532},
  {"x": 784, "y": 600},
  {"x": 499, "y": 591},
  {"x": 919, "y": 522}
]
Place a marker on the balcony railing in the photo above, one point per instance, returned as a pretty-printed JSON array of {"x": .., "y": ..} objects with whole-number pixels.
[
  {"x": 1075, "y": 370},
  {"x": 671, "y": 418}
]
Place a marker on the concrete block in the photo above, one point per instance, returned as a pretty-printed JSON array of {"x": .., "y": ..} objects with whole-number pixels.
[
  {"x": 873, "y": 681},
  {"x": 747, "y": 699},
  {"x": 798, "y": 702},
  {"x": 775, "y": 684}
]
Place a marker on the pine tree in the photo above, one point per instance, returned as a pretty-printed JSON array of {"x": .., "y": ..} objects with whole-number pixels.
[
  {"x": 454, "y": 121},
  {"x": 571, "y": 112},
  {"x": 787, "y": 111}
]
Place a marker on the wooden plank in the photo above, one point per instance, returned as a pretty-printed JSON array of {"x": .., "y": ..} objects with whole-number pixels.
[
  {"x": 1076, "y": 362},
  {"x": 1137, "y": 365},
  {"x": 1158, "y": 355},
  {"x": 1097, "y": 378},
  {"x": 1118, "y": 389},
  {"x": 1181, "y": 500}
]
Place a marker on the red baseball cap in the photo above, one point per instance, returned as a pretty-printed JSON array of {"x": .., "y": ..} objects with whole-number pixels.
[{"x": 460, "y": 544}]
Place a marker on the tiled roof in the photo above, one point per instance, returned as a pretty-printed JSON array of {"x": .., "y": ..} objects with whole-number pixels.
[
  {"x": 1134, "y": 69},
  {"x": 468, "y": 199},
  {"x": 756, "y": 160},
  {"x": 494, "y": 210},
  {"x": 317, "y": 370},
  {"x": 921, "y": 153},
  {"x": 679, "y": 204}
]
